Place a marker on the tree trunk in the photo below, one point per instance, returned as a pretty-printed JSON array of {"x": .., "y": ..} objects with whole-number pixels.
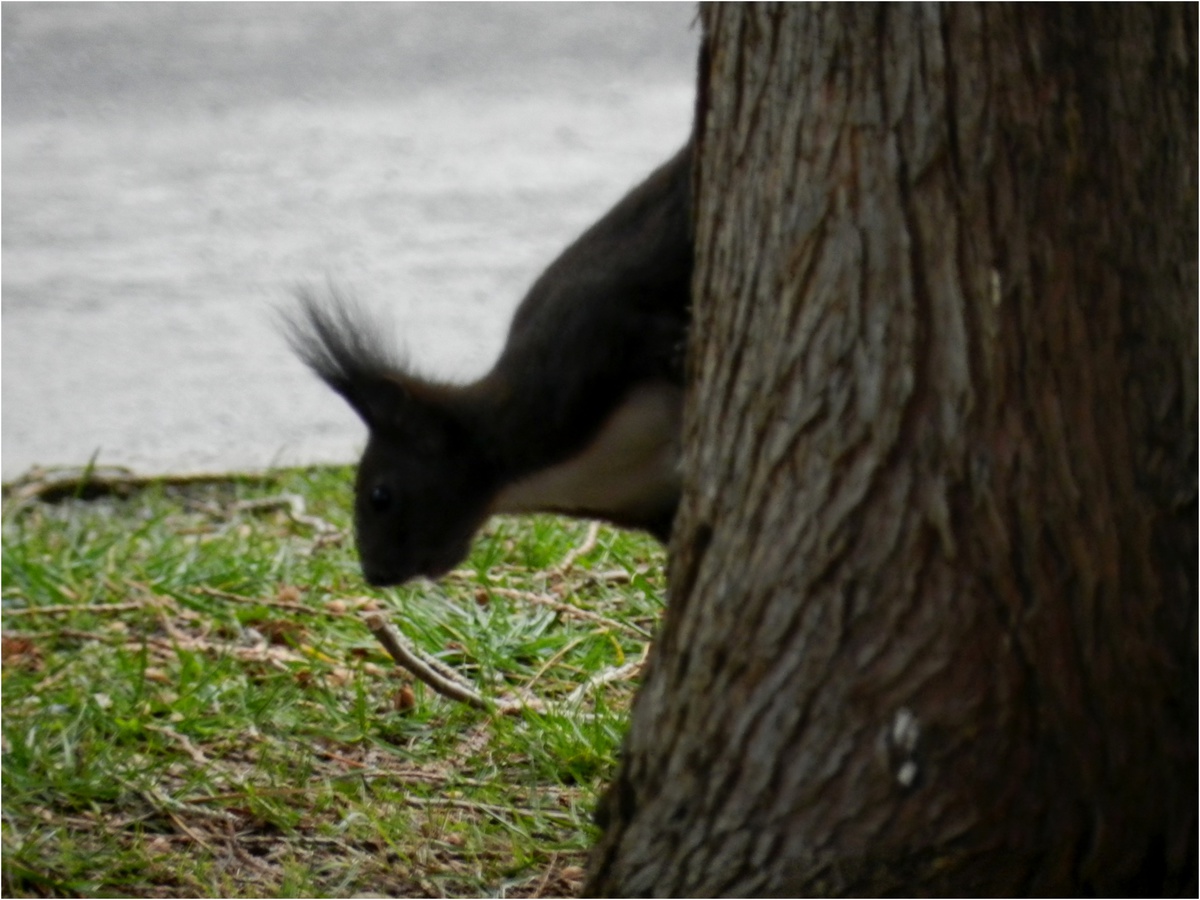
[{"x": 932, "y": 617}]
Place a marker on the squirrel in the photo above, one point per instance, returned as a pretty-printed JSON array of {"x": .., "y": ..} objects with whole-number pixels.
[{"x": 580, "y": 415}]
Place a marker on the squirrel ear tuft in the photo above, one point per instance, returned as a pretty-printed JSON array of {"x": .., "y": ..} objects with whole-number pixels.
[{"x": 344, "y": 347}]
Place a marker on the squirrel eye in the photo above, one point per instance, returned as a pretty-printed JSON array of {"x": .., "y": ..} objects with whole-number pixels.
[{"x": 381, "y": 498}]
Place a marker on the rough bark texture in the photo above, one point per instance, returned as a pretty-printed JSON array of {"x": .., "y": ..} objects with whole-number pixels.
[{"x": 932, "y": 618}]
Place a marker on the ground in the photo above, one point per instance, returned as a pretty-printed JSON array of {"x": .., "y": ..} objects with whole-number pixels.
[{"x": 193, "y": 704}]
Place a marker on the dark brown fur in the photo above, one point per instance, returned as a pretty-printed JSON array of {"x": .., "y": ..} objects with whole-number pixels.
[{"x": 610, "y": 314}]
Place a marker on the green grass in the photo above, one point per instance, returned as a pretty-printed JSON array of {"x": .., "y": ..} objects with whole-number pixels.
[{"x": 193, "y": 705}]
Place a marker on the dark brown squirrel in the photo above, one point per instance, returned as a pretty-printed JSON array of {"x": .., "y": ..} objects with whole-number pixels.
[{"x": 580, "y": 414}]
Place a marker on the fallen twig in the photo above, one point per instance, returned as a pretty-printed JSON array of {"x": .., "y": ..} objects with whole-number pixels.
[
  {"x": 408, "y": 658},
  {"x": 441, "y": 678}
]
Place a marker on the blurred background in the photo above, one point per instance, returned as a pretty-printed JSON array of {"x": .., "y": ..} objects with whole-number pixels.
[{"x": 171, "y": 172}]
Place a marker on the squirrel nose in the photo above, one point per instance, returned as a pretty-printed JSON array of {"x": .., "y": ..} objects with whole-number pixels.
[{"x": 379, "y": 576}]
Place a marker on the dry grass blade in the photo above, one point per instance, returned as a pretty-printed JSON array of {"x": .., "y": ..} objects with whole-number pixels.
[
  {"x": 588, "y": 545},
  {"x": 293, "y": 505},
  {"x": 254, "y": 601},
  {"x": 569, "y": 610},
  {"x": 69, "y": 609},
  {"x": 608, "y": 676},
  {"x": 502, "y": 813},
  {"x": 182, "y": 740}
]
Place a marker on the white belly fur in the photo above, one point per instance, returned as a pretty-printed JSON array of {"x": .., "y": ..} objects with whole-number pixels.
[{"x": 630, "y": 468}]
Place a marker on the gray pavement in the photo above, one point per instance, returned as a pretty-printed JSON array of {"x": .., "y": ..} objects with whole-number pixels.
[{"x": 171, "y": 171}]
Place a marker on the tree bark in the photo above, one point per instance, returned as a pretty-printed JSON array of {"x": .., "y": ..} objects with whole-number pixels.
[{"x": 932, "y": 615}]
